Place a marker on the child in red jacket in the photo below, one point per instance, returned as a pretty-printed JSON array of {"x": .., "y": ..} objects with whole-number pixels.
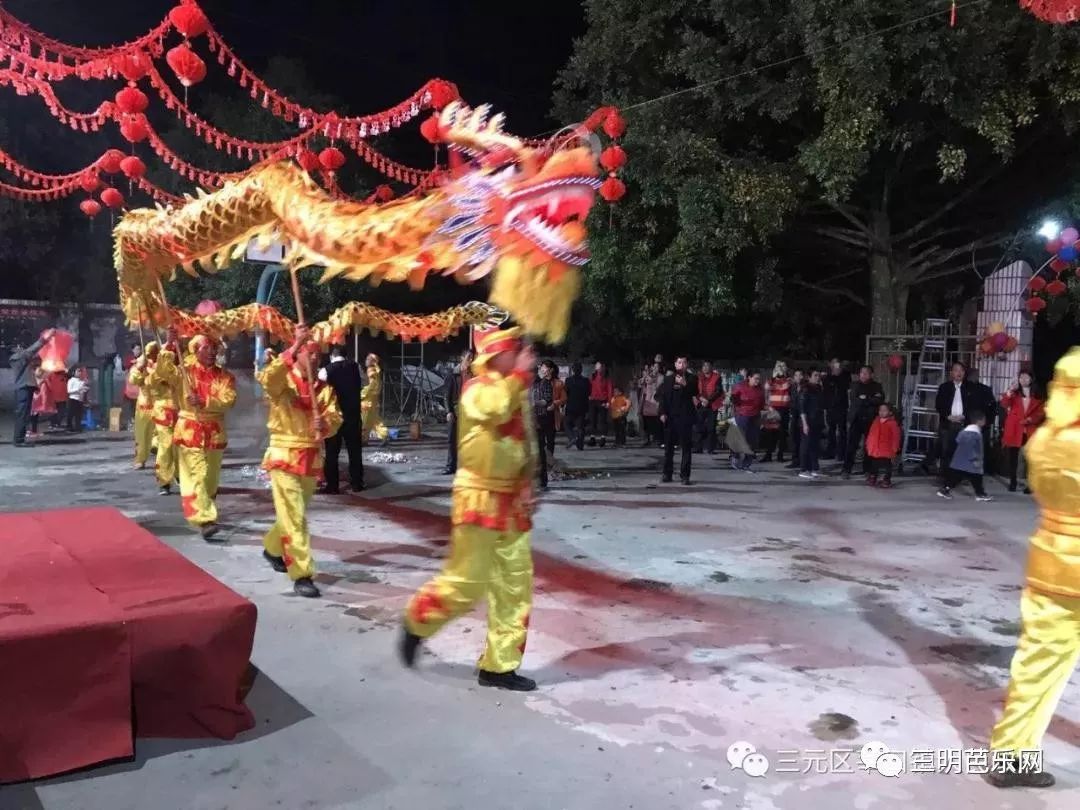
[{"x": 882, "y": 445}]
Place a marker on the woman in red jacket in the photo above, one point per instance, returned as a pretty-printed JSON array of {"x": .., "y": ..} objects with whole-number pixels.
[
  {"x": 1023, "y": 413},
  {"x": 599, "y": 400}
]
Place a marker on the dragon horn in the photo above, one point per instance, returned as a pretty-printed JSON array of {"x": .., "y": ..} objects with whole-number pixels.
[{"x": 473, "y": 129}]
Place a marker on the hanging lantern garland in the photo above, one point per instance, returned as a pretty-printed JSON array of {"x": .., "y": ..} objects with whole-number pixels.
[{"x": 1059, "y": 12}]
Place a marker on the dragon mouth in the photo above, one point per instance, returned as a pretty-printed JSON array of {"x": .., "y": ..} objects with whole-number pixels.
[{"x": 552, "y": 215}]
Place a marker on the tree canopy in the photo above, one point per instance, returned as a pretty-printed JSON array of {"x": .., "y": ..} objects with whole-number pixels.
[{"x": 839, "y": 153}]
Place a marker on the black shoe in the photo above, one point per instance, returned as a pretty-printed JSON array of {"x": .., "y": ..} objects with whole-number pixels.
[
  {"x": 277, "y": 563},
  {"x": 506, "y": 680},
  {"x": 1012, "y": 486},
  {"x": 1027, "y": 490},
  {"x": 305, "y": 587},
  {"x": 209, "y": 532},
  {"x": 767, "y": 459},
  {"x": 666, "y": 479},
  {"x": 328, "y": 491},
  {"x": 685, "y": 481},
  {"x": 780, "y": 459},
  {"x": 846, "y": 475},
  {"x": 408, "y": 646},
  {"x": 165, "y": 490},
  {"x": 448, "y": 471},
  {"x": 1014, "y": 778},
  {"x": 592, "y": 441},
  {"x": 357, "y": 487}
]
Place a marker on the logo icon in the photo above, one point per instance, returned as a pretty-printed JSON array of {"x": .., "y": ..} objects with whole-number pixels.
[
  {"x": 743, "y": 756},
  {"x": 876, "y": 756}
]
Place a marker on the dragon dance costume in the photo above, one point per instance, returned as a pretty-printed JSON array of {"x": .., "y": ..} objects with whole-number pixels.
[
  {"x": 162, "y": 396},
  {"x": 1049, "y": 645},
  {"x": 138, "y": 376},
  {"x": 294, "y": 461},
  {"x": 491, "y": 516},
  {"x": 371, "y": 401},
  {"x": 199, "y": 434}
]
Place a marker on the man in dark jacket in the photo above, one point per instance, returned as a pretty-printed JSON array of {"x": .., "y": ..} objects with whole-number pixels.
[
  {"x": 678, "y": 415},
  {"x": 543, "y": 406},
  {"x": 577, "y": 406},
  {"x": 863, "y": 399},
  {"x": 835, "y": 387},
  {"x": 343, "y": 375},
  {"x": 986, "y": 403},
  {"x": 956, "y": 399},
  {"x": 23, "y": 362},
  {"x": 453, "y": 395}
]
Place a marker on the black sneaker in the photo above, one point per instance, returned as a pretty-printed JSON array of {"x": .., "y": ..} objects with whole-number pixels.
[
  {"x": 1014, "y": 778},
  {"x": 209, "y": 532},
  {"x": 165, "y": 490},
  {"x": 277, "y": 563},
  {"x": 603, "y": 442},
  {"x": 357, "y": 487},
  {"x": 447, "y": 471},
  {"x": 665, "y": 479},
  {"x": 328, "y": 491},
  {"x": 685, "y": 482},
  {"x": 305, "y": 587},
  {"x": 944, "y": 493},
  {"x": 408, "y": 646},
  {"x": 506, "y": 680},
  {"x": 1012, "y": 486}
]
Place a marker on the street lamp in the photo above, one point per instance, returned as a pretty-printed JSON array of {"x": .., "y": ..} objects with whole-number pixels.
[{"x": 1050, "y": 230}]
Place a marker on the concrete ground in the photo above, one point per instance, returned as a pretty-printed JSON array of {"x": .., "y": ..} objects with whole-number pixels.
[{"x": 801, "y": 617}]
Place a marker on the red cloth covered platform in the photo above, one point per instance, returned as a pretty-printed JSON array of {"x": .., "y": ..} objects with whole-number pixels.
[{"x": 106, "y": 633}]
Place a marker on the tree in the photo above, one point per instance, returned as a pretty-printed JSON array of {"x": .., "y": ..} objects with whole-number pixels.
[{"x": 858, "y": 150}]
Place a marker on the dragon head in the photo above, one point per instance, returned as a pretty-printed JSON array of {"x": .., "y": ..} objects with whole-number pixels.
[{"x": 518, "y": 211}]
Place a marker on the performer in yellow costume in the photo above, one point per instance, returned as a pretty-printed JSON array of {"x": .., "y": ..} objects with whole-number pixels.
[
  {"x": 207, "y": 392},
  {"x": 294, "y": 458},
  {"x": 371, "y": 401},
  {"x": 163, "y": 411},
  {"x": 1049, "y": 645},
  {"x": 138, "y": 375},
  {"x": 491, "y": 514}
]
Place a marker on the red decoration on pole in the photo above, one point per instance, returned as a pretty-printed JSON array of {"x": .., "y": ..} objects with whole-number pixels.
[
  {"x": 132, "y": 65},
  {"x": 189, "y": 20},
  {"x": 132, "y": 100},
  {"x": 614, "y": 124},
  {"x": 90, "y": 207},
  {"x": 384, "y": 194},
  {"x": 613, "y": 189},
  {"x": 132, "y": 167},
  {"x": 331, "y": 159},
  {"x": 308, "y": 160},
  {"x": 613, "y": 158},
  {"x": 1035, "y": 305},
  {"x": 112, "y": 198},
  {"x": 186, "y": 64},
  {"x": 134, "y": 129},
  {"x": 1056, "y": 287},
  {"x": 442, "y": 93},
  {"x": 896, "y": 362},
  {"x": 430, "y": 129},
  {"x": 89, "y": 182},
  {"x": 1053, "y": 11},
  {"x": 110, "y": 161},
  {"x": 1037, "y": 283}
]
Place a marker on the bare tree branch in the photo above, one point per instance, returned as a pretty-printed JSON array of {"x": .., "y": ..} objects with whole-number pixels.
[
  {"x": 848, "y": 213},
  {"x": 846, "y": 235},
  {"x": 840, "y": 293}
]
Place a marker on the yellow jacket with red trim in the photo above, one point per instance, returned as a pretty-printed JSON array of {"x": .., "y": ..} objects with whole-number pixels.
[
  {"x": 202, "y": 428},
  {"x": 294, "y": 445},
  {"x": 163, "y": 395},
  {"x": 139, "y": 376}
]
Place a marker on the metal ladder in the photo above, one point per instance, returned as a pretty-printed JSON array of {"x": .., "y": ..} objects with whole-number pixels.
[{"x": 920, "y": 415}]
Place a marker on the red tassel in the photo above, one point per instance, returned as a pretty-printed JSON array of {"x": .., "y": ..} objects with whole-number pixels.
[{"x": 952, "y": 15}]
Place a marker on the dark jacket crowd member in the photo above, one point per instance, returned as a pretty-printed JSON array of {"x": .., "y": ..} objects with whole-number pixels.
[
  {"x": 678, "y": 415},
  {"x": 986, "y": 403},
  {"x": 24, "y": 362},
  {"x": 1023, "y": 407},
  {"x": 543, "y": 406},
  {"x": 864, "y": 398},
  {"x": 955, "y": 400},
  {"x": 967, "y": 459},
  {"x": 835, "y": 388},
  {"x": 343, "y": 375},
  {"x": 577, "y": 406},
  {"x": 811, "y": 415},
  {"x": 795, "y": 422},
  {"x": 780, "y": 392},
  {"x": 599, "y": 404},
  {"x": 748, "y": 401},
  {"x": 882, "y": 447},
  {"x": 454, "y": 385},
  {"x": 709, "y": 401}
]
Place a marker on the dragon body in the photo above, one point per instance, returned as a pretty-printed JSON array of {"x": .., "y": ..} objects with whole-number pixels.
[{"x": 513, "y": 212}]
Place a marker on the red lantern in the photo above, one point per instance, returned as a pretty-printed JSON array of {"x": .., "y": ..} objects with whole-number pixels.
[
  {"x": 132, "y": 66},
  {"x": 1056, "y": 287},
  {"x": 112, "y": 198},
  {"x": 1035, "y": 305},
  {"x": 612, "y": 189},
  {"x": 132, "y": 167},
  {"x": 1036, "y": 283},
  {"x": 132, "y": 100},
  {"x": 1000, "y": 341},
  {"x": 1058, "y": 265},
  {"x": 110, "y": 161},
  {"x": 430, "y": 129},
  {"x": 986, "y": 346},
  {"x": 134, "y": 129},
  {"x": 189, "y": 20},
  {"x": 90, "y": 207},
  {"x": 308, "y": 160},
  {"x": 896, "y": 362},
  {"x": 614, "y": 125},
  {"x": 331, "y": 159},
  {"x": 186, "y": 64},
  {"x": 1011, "y": 344},
  {"x": 89, "y": 182},
  {"x": 1053, "y": 11},
  {"x": 613, "y": 158},
  {"x": 442, "y": 93},
  {"x": 384, "y": 194},
  {"x": 1053, "y": 246}
]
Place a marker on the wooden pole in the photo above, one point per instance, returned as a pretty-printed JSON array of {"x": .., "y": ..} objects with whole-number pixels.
[
  {"x": 142, "y": 341},
  {"x": 301, "y": 322}
]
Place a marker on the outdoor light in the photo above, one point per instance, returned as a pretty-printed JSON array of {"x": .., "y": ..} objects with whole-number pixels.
[{"x": 1050, "y": 230}]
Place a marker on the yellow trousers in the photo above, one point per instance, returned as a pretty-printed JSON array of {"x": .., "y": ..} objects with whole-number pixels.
[
  {"x": 165, "y": 467},
  {"x": 144, "y": 436},
  {"x": 373, "y": 423},
  {"x": 482, "y": 563},
  {"x": 1046, "y": 656},
  {"x": 200, "y": 471},
  {"x": 288, "y": 537}
]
